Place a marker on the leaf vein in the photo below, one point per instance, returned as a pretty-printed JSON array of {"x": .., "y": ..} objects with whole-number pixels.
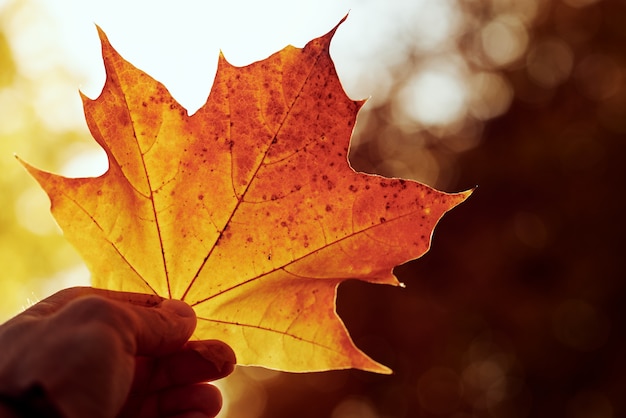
[
  {"x": 253, "y": 174},
  {"x": 117, "y": 250},
  {"x": 259, "y": 327}
]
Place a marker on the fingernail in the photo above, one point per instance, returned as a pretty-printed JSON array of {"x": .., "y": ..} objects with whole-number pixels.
[
  {"x": 178, "y": 307},
  {"x": 218, "y": 353}
]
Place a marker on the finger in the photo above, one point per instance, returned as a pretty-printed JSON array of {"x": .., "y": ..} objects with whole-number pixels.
[
  {"x": 57, "y": 301},
  {"x": 164, "y": 328},
  {"x": 181, "y": 401},
  {"x": 203, "y": 398},
  {"x": 197, "y": 361},
  {"x": 139, "y": 299},
  {"x": 143, "y": 330}
]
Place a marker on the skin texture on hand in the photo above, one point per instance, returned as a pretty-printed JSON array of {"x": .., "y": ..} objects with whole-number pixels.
[{"x": 106, "y": 354}]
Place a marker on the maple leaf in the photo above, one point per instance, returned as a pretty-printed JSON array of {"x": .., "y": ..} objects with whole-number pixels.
[{"x": 248, "y": 210}]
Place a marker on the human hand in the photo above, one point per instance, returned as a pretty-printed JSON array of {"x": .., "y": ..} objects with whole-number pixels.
[{"x": 106, "y": 354}]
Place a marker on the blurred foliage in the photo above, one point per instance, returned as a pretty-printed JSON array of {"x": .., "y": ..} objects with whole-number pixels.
[
  {"x": 32, "y": 248},
  {"x": 8, "y": 70},
  {"x": 517, "y": 310}
]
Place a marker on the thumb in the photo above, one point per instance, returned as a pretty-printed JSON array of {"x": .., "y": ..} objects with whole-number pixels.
[{"x": 164, "y": 328}]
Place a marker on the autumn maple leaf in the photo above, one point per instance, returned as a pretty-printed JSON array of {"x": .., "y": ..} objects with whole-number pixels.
[{"x": 248, "y": 210}]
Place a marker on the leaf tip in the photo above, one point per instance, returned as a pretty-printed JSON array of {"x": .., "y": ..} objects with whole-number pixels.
[
  {"x": 83, "y": 97},
  {"x": 27, "y": 166},
  {"x": 376, "y": 367},
  {"x": 343, "y": 19},
  {"x": 467, "y": 193},
  {"x": 102, "y": 35},
  {"x": 40, "y": 176},
  {"x": 222, "y": 61},
  {"x": 108, "y": 51},
  {"x": 329, "y": 36},
  {"x": 460, "y": 197},
  {"x": 362, "y": 361}
]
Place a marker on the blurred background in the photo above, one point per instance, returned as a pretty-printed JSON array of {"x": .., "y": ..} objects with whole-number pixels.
[{"x": 518, "y": 308}]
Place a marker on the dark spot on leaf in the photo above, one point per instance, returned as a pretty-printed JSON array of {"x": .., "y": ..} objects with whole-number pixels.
[
  {"x": 383, "y": 220},
  {"x": 200, "y": 196},
  {"x": 123, "y": 120},
  {"x": 329, "y": 208}
]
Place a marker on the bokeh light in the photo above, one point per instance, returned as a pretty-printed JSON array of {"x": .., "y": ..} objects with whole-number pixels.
[{"x": 504, "y": 40}]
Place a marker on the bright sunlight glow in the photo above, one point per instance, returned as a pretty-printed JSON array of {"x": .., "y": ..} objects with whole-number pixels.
[{"x": 179, "y": 45}]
